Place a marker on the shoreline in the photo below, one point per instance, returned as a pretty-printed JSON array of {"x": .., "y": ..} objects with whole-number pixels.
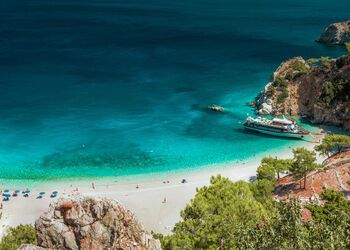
[{"x": 146, "y": 201}]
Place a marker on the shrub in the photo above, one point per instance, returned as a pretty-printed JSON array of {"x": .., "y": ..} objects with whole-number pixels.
[
  {"x": 299, "y": 66},
  {"x": 283, "y": 96},
  {"x": 280, "y": 83},
  {"x": 337, "y": 90},
  {"x": 16, "y": 236},
  {"x": 347, "y": 46}
]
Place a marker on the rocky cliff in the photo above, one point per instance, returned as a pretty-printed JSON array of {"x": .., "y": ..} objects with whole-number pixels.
[
  {"x": 91, "y": 223},
  {"x": 316, "y": 88},
  {"x": 336, "y": 33},
  {"x": 335, "y": 175}
]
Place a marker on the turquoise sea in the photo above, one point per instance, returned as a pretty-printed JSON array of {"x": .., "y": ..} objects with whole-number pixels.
[{"x": 118, "y": 87}]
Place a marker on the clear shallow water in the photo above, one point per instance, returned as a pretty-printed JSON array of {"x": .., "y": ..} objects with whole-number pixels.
[{"x": 104, "y": 88}]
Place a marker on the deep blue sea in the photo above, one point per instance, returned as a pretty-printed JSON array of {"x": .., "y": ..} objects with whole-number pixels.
[{"x": 119, "y": 87}]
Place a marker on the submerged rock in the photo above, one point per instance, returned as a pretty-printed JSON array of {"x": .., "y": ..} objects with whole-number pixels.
[
  {"x": 91, "y": 223},
  {"x": 336, "y": 33},
  {"x": 216, "y": 108}
]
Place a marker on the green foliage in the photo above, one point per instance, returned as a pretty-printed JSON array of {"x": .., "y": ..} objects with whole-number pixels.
[
  {"x": 324, "y": 60},
  {"x": 22, "y": 234},
  {"x": 333, "y": 143},
  {"x": 269, "y": 164},
  {"x": 347, "y": 46},
  {"x": 214, "y": 221},
  {"x": 210, "y": 220},
  {"x": 266, "y": 170},
  {"x": 304, "y": 162},
  {"x": 331, "y": 221},
  {"x": 280, "y": 83},
  {"x": 298, "y": 68},
  {"x": 283, "y": 95},
  {"x": 336, "y": 90},
  {"x": 270, "y": 91}
]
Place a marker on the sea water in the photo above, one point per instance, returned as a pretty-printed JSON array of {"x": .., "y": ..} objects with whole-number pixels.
[{"x": 94, "y": 88}]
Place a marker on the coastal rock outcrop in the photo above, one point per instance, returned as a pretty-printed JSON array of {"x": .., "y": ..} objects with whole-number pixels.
[
  {"x": 91, "y": 223},
  {"x": 317, "y": 88},
  {"x": 336, "y": 33}
]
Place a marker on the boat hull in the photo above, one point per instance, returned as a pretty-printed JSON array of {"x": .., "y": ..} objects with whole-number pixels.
[{"x": 269, "y": 132}]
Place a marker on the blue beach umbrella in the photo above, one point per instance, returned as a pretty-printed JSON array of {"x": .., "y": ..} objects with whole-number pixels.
[
  {"x": 42, "y": 193},
  {"x": 55, "y": 192},
  {"x": 6, "y": 191},
  {"x": 7, "y": 195},
  {"x": 17, "y": 191}
]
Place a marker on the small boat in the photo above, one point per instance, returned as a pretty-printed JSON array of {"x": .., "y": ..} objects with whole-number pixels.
[
  {"x": 277, "y": 126},
  {"x": 216, "y": 108}
]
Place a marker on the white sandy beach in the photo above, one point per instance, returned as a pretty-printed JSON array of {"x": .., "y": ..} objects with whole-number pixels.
[{"x": 147, "y": 201}]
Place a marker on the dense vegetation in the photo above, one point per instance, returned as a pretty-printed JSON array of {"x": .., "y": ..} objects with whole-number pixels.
[
  {"x": 241, "y": 215},
  {"x": 347, "y": 46},
  {"x": 22, "y": 234},
  {"x": 281, "y": 85},
  {"x": 336, "y": 90},
  {"x": 333, "y": 144}
]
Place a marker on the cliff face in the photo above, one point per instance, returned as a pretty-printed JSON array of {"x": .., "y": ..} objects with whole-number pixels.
[
  {"x": 336, "y": 33},
  {"x": 91, "y": 223},
  {"x": 317, "y": 88}
]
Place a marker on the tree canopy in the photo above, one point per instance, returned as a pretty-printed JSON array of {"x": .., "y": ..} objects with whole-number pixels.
[
  {"x": 212, "y": 217},
  {"x": 15, "y": 237},
  {"x": 304, "y": 162},
  {"x": 333, "y": 144}
]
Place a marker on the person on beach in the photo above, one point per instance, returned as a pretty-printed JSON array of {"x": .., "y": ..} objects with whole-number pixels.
[
  {"x": 93, "y": 185},
  {"x": 164, "y": 201},
  {"x": 137, "y": 186}
]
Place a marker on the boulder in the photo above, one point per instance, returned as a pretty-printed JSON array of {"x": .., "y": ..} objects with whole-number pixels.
[
  {"x": 336, "y": 33},
  {"x": 30, "y": 247},
  {"x": 91, "y": 223}
]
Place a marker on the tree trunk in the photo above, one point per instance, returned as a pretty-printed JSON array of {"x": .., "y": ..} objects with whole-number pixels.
[
  {"x": 305, "y": 181},
  {"x": 278, "y": 175}
]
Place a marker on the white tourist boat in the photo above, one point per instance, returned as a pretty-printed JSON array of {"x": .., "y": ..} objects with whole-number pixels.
[{"x": 277, "y": 126}]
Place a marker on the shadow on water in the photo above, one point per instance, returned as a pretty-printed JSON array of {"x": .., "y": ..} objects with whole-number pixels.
[{"x": 83, "y": 162}]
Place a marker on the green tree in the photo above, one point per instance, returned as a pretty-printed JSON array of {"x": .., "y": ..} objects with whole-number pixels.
[
  {"x": 266, "y": 170},
  {"x": 211, "y": 218},
  {"x": 304, "y": 162},
  {"x": 269, "y": 163},
  {"x": 333, "y": 143},
  {"x": 15, "y": 237},
  {"x": 331, "y": 221},
  {"x": 282, "y": 165}
]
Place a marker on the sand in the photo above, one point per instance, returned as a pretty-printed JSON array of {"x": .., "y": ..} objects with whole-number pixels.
[{"x": 157, "y": 201}]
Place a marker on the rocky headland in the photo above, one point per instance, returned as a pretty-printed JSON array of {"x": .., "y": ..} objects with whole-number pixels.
[
  {"x": 316, "y": 88},
  {"x": 90, "y": 223},
  {"x": 336, "y": 33}
]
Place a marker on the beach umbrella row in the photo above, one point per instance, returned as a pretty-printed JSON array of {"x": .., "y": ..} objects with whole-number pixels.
[{"x": 7, "y": 195}]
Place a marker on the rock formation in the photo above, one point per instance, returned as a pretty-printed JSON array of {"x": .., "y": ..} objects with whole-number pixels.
[
  {"x": 335, "y": 175},
  {"x": 336, "y": 33},
  {"x": 91, "y": 223},
  {"x": 30, "y": 247},
  {"x": 317, "y": 88}
]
